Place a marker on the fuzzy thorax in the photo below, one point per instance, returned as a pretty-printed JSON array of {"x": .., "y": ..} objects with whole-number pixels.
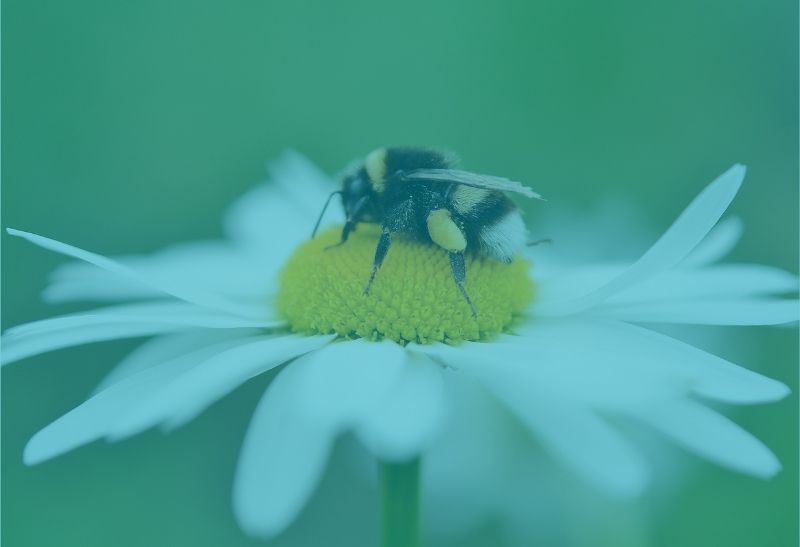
[{"x": 413, "y": 299}]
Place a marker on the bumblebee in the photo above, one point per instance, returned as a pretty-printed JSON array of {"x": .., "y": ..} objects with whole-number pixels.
[{"x": 418, "y": 192}]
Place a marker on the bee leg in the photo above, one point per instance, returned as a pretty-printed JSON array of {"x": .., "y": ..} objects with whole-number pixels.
[
  {"x": 349, "y": 226},
  {"x": 538, "y": 242},
  {"x": 459, "y": 268},
  {"x": 350, "y": 223},
  {"x": 380, "y": 254}
]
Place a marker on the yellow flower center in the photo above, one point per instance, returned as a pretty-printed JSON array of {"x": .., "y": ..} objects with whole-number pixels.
[{"x": 413, "y": 298}]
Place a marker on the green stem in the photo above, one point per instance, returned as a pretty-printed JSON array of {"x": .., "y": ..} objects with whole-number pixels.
[{"x": 400, "y": 504}]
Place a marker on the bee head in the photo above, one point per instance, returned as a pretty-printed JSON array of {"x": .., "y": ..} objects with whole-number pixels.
[
  {"x": 358, "y": 194},
  {"x": 358, "y": 197}
]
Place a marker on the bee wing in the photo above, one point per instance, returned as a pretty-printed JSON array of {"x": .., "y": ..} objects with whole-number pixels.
[{"x": 456, "y": 176}]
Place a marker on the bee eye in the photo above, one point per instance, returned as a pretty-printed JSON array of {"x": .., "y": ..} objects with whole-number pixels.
[{"x": 358, "y": 187}]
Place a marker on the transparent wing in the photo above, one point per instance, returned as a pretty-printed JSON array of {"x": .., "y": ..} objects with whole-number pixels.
[{"x": 456, "y": 176}]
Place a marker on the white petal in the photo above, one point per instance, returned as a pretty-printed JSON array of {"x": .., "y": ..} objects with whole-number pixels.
[
  {"x": 347, "y": 380},
  {"x": 713, "y": 437},
  {"x": 282, "y": 458},
  {"x": 678, "y": 241},
  {"x": 615, "y": 365},
  {"x": 92, "y": 419},
  {"x": 704, "y": 373},
  {"x": 186, "y": 396},
  {"x": 481, "y": 470},
  {"x": 717, "y": 244},
  {"x": 116, "y": 322},
  {"x": 735, "y": 280},
  {"x": 586, "y": 363},
  {"x": 178, "y": 313},
  {"x": 729, "y": 280},
  {"x": 410, "y": 416},
  {"x": 27, "y": 346},
  {"x": 613, "y": 230},
  {"x": 165, "y": 348},
  {"x": 752, "y": 311},
  {"x": 174, "y": 289},
  {"x": 77, "y": 281},
  {"x": 572, "y": 433},
  {"x": 562, "y": 284}
]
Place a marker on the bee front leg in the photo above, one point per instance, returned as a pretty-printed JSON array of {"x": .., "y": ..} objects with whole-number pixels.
[
  {"x": 546, "y": 241},
  {"x": 380, "y": 253},
  {"x": 459, "y": 267},
  {"x": 352, "y": 220},
  {"x": 348, "y": 227}
]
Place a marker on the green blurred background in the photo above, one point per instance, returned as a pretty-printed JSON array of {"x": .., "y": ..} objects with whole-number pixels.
[{"x": 131, "y": 125}]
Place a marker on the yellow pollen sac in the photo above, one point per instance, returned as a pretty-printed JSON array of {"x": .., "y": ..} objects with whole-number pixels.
[
  {"x": 413, "y": 298},
  {"x": 444, "y": 232}
]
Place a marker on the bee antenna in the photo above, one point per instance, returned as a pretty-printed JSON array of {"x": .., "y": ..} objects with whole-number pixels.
[{"x": 327, "y": 202}]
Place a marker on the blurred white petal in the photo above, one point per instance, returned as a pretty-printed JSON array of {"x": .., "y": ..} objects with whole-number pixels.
[
  {"x": 560, "y": 285},
  {"x": 303, "y": 183},
  {"x": 717, "y": 245},
  {"x": 409, "y": 417},
  {"x": 348, "y": 379},
  {"x": 80, "y": 281},
  {"x": 482, "y": 471},
  {"x": 754, "y": 311},
  {"x": 613, "y": 230},
  {"x": 283, "y": 455},
  {"x": 277, "y": 216},
  {"x": 728, "y": 280},
  {"x": 179, "y": 313},
  {"x": 573, "y": 434},
  {"x": 736, "y": 281},
  {"x": 712, "y": 436}
]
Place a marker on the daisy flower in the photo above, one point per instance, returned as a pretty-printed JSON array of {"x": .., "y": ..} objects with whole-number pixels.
[{"x": 565, "y": 349}]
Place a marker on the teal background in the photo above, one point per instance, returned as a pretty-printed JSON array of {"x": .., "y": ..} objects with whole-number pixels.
[{"x": 131, "y": 125}]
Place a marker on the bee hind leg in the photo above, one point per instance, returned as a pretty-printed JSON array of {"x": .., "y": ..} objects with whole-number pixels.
[
  {"x": 380, "y": 253},
  {"x": 459, "y": 267}
]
